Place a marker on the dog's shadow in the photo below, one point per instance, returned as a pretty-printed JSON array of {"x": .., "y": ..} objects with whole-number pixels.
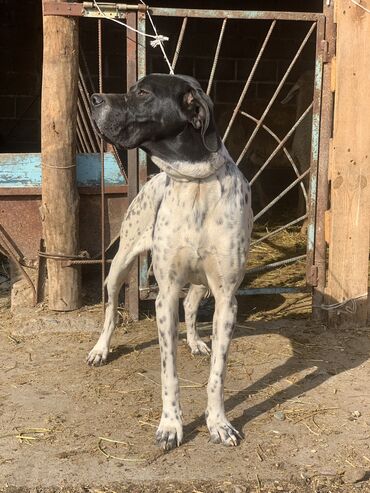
[
  {"x": 326, "y": 365},
  {"x": 325, "y": 368}
]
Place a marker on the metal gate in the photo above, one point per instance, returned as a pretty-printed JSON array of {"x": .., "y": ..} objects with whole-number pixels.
[{"x": 224, "y": 22}]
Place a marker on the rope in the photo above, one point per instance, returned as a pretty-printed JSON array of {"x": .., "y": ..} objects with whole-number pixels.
[
  {"x": 346, "y": 306},
  {"x": 157, "y": 39},
  {"x": 62, "y": 256},
  {"x": 58, "y": 167}
]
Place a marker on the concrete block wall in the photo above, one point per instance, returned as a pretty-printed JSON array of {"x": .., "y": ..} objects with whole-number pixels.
[
  {"x": 21, "y": 54},
  {"x": 20, "y": 82}
]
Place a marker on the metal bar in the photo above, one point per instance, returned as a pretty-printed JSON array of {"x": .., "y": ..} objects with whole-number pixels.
[
  {"x": 63, "y": 8},
  {"x": 322, "y": 179},
  {"x": 85, "y": 126},
  {"x": 282, "y": 142},
  {"x": 276, "y": 231},
  {"x": 132, "y": 156},
  {"x": 152, "y": 293},
  {"x": 118, "y": 11},
  {"x": 292, "y": 63},
  {"x": 12, "y": 252},
  {"x": 235, "y": 14},
  {"x": 247, "y": 84},
  {"x": 81, "y": 136},
  {"x": 88, "y": 73},
  {"x": 284, "y": 192},
  {"x": 287, "y": 154},
  {"x": 111, "y": 9},
  {"x": 273, "y": 265},
  {"x": 271, "y": 290},
  {"x": 312, "y": 197},
  {"x": 143, "y": 170},
  {"x": 102, "y": 183},
  {"x": 217, "y": 54},
  {"x": 85, "y": 99},
  {"x": 179, "y": 43},
  {"x": 88, "y": 9}
]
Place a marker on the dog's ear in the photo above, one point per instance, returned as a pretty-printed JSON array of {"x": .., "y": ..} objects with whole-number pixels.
[{"x": 198, "y": 108}]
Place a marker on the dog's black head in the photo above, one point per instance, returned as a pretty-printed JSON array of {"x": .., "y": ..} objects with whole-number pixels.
[{"x": 162, "y": 114}]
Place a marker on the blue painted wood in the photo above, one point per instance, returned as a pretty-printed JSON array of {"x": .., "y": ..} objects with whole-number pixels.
[{"x": 24, "y": 170}]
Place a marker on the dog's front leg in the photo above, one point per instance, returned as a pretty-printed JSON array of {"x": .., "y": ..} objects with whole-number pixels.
[
  {"x": 220, "y": 429},
  {"x": 136, "y": 237},
  {"x": 169, "y": 433}
]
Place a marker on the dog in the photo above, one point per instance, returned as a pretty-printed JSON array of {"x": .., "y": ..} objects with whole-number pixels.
[{"x": 196, "y": 218}]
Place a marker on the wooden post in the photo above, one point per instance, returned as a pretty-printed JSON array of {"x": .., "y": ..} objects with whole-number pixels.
[
  {"x": 60, "y": 199},
  {"x": 349, "y": 170}
]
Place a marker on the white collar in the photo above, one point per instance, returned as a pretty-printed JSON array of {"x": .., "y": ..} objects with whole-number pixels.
[{"x": 193, "y": 171}]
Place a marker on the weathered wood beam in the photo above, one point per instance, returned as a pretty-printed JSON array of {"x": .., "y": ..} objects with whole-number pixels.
[
  {"x": 60, "y": 199},
  {"x": 350, "y": 170}
]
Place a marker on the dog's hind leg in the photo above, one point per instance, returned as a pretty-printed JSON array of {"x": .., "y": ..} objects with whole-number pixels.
[
  {"x": 191, "y": 304},
  {"x": 136, "y": 237}
]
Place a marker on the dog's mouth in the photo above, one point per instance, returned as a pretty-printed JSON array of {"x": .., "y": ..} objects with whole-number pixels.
[{"x": 100, "y": 133}]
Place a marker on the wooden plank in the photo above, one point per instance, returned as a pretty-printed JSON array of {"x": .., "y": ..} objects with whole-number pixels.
[
  {"x": 60, "y": 200},
  {"x": 350, "y": 218},
  {"x": 24, "y": 170}
]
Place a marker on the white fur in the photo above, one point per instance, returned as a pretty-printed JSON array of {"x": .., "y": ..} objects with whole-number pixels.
[{"x": 197, "y": 220}]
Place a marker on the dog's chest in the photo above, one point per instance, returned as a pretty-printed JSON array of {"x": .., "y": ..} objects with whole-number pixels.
[{"x": 187, "y": 207}]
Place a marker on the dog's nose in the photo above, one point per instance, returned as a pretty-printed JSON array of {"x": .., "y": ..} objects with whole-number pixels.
[{"x": 97, "y": 99}]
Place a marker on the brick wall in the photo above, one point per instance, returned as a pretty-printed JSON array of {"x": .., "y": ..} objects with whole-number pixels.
[
  {"x": 21, "y": 54},
  {"x": 20, "y": 83}
]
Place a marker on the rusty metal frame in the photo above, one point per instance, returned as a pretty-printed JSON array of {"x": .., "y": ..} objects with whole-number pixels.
[
  {"x": 322, "y": 204},
  {"x": 317, "y": 25},
  {"x": 235, "y": 14},
  {"x": 12, "y": 251},
  {"x": 135, "y": 15}
]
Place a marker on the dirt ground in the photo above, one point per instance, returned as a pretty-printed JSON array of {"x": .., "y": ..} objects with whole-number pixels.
[{"x": 299, "y": 392}]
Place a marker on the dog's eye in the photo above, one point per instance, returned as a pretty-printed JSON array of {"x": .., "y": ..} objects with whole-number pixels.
[{"x": 142, "y": 92}]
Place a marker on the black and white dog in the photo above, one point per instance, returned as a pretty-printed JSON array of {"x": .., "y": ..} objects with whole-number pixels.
[{"x": 195, "y": 217}]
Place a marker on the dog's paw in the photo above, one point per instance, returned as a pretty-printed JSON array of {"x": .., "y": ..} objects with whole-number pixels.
[
  {"x": 169, "y": 434},
  {"x": 221, "y": 431},
  {"x": 97, "y": 356},
  {"x": 198, "y": 347}
]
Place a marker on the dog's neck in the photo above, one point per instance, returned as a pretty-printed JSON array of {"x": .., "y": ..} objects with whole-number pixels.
[
  {"x": 183, "y": 170},
  {"x": 184, "y": 145}
]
